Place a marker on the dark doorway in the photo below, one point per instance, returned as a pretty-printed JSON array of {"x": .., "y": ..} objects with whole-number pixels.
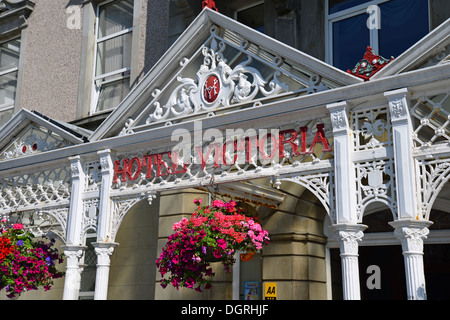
[
  {"x": 388, "y": 259},
  {"x": 437, "y": 271}
]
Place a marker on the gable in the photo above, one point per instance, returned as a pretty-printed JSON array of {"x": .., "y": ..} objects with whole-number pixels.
[
  {"x": 218, "y": 66},
  {"x": 432, "y": 50},
  {"x": 29, "y": 132}
]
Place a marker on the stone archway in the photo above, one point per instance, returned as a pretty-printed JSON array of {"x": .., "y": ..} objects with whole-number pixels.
[
  {"x": 133, "y": 270},
  {"x": 295, "y": 259}
]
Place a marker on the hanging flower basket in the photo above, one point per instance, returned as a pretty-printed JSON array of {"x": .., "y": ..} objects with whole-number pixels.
[
  {"x": 212, "y": 234},
  {"x": 26, "y": 264}
]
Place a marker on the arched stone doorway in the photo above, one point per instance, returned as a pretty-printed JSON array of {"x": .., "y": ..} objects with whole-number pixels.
[
  {"x": 294, "y": 259},
  {"x": 132, "y": 267}
]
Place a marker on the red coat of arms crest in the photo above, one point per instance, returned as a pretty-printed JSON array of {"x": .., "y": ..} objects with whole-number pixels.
[{"x": 211, "y": 89}]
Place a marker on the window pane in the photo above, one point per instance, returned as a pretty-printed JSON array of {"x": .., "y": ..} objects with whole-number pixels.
[
  {"x": 8, "y": 84},
  {"x": 253, "y": 17},
  {"x": 114, "y": 54},
  {"x": 9, "y": 55},
  {"x": 350, "y": 40},
  {"x": 403, "y": 23},
  {"x": 87, "y": 283},
  {"x": 339, "y": 5},
  {"x": 112, "y": 94},
  {"x": 114, "y": 17},
  {"x": 5, "y": 116}
]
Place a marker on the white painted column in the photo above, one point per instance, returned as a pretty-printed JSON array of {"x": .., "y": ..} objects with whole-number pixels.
[
  {"x": 403, "y": 158},
  {"x": 411, "y": 234},
  {"x": 74, "y": 249},
  {"x": 409, "y": 227},
  {"x": 104, "y": 250},
  {"x": 103, "y": 247},
  {"x": 344, "y": 169},
  {"x": 73, "y": 271},
  {"x": 347, "y": 230},
  {"x": 348, "y": 237},
  {"x": 104, "y": 214}
]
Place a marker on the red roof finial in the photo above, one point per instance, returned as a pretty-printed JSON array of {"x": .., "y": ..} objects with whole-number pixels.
[
  {"x": 369, "y": 65},
  {"x": 210, "y": 4}
]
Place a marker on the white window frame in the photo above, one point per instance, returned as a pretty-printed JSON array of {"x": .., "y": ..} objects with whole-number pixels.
[
  {"x": 330, "y": 19},
  {"x": 11, "y": 105},
  {"x": 98, "y": 81}
]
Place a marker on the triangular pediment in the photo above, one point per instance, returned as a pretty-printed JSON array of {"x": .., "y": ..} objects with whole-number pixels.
[
  {"x": 218, "y": 66},
  {"x": 30, "y": 132},
  {"x": 431, "y": 50}
]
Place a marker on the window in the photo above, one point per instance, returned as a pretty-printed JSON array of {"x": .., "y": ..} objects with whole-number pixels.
[
  {"x": 9, "y": 69},
  {"x": 89, "y": 262},
  {"x": 390, "y": 27},
  {"x": 112, "y": 54},
  {"x": 252, "y": 15}
]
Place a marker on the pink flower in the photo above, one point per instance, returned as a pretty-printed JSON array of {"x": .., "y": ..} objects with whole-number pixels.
[
  {"x": 18, "y": 226},
  {"x": 222, "y": 243},
  {"x": 218, "y": 203}
]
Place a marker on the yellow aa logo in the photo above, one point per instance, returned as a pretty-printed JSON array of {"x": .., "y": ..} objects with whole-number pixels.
[{"x": 270, "y": 291}]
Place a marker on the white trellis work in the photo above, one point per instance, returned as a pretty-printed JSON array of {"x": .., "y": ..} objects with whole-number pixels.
[{"x": 388, "y": 142}]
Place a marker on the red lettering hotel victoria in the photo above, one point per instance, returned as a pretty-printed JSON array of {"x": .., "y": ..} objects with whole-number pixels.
[{"x": 167, "y": 163}]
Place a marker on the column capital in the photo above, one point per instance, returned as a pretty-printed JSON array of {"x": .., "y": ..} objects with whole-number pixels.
[
  {"x": 73, "y": 254},
  {"x": 398, "y": 105},
  {"x": 348, "y": 236},
  {"x": 105, "y": 161},
  {"x": 339, "y": 117},
  {"x": 411, "y": 233},
  {"x": 104, "y": 250}
]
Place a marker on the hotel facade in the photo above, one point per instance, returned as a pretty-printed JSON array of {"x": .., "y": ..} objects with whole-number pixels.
[{"x": 96, "y": 97}]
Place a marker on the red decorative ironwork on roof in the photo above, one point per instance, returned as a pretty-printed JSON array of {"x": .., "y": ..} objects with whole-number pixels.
[
  {"x": 369, "y": 65},
  {"x": 210, "y": 4}
]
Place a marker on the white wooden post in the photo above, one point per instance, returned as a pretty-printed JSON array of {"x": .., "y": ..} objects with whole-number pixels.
[
  {"x": 347, "y": 230},
  {"x": 103, "y": 247},
  {"x": 409, "y": 228},
  {"x": 411, "y": 234},
  {"x": 74, "y": 249},
  {"x": 348, "y": 237},
  {"x": 344, "y": 171},
  {"x": 403, "y": 158},
  {"x": 103, "y": 250}
]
